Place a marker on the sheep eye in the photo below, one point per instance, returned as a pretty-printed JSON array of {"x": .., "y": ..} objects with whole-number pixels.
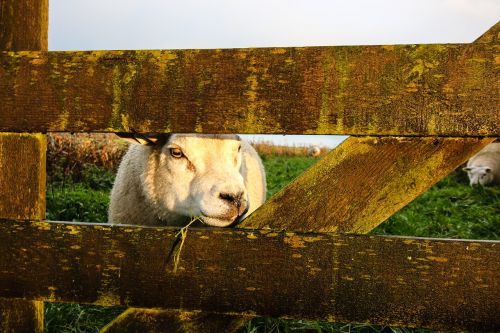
[
  {"x": 176, "y": 152},
  {"x": 239, "y": 148}
]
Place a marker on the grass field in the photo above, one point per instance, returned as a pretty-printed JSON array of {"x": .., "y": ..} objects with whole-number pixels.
[{"x": 450, "y": 209}]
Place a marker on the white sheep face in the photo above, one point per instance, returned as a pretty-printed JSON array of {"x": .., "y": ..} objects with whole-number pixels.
[
  {"x": 198, "y": 175},
  {"x": 479, "y": 175}
]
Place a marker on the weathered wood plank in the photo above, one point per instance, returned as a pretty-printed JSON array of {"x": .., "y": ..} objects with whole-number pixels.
[
  {"x": 23, "y": 26},
  {"x": 22, "y": 196},
  {"x": 19, "y": 316},
  {"x": 361, "y": 183},
  {"x": 169, "y": 321},
  {"x": 22, "y": 176},
  {"x": 449, "y": 283},
  {"x": 446, "y": 90}
]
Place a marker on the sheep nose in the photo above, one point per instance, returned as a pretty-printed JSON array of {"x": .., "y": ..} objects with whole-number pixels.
[{"x": 234, "y": 199}]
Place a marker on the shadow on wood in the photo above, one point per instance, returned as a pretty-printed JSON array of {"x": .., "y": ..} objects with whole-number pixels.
[{"x": 170, "y": 321}]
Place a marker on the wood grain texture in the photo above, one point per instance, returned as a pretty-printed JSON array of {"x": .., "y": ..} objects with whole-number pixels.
[
  {"x": 361, "y": 183},
  {"x": 450, "y": 284},
  {"x": 22, "y": 176},
  {"x": 22, "y": 197},
  {"x": 412, "y": 90},
  {"x": 168, "y": 321},
  {"x": 19, "y": 316},
  {"x": 23, "y": 26}
]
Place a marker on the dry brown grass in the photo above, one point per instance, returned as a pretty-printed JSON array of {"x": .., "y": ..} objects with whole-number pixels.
[
  {"x": 269, "y": 149},
  {"x": 68, "y": 154}
]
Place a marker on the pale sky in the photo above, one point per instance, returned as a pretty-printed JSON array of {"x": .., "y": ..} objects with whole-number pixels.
[{"x": 164, "y": 24}]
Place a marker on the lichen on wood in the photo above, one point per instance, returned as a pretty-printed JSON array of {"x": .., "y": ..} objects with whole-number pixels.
[
  {"x": 18, "y": 315},
  {"x": 22, "y": 180},
  {"x": 314, "y": 276},
  {"x": 355, "y": 90},
  {"x": 23, "y": 26},
  {"x": 363, "y": 182}
]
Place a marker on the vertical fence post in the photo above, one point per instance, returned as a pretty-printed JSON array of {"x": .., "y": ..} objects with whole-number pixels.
[{"x": 23, "y": 27}]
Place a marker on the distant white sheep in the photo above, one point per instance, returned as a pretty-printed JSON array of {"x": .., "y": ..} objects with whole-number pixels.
[
  {"x": 217, "y": 177},
  {"x": 314, "y": 151},
  {"x": 484, "y": 167}
]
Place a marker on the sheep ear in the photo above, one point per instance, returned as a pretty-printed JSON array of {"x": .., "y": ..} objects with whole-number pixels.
[
  {"x": 467, "y": 169},
  {"x": 148, "y": 139}
]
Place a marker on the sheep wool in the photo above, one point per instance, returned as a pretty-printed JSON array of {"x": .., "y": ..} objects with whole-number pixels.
[{"x": 484, "y": 167}]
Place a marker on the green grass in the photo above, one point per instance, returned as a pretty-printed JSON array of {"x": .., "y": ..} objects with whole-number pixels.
[
  {"x": 450, "y": 209},
  {"x": 77, "y": 203},
  {"x": 281, "y": 170},
  {"x": 75, "y": 318},
  {"x": 82, "y": 200},
  {"x": 272, "y": 325}
]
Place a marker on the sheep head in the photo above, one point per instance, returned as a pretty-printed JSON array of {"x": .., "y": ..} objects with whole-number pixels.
[
  {"x": 479, "y": 175},
  {"x": 196, "y": 175}
]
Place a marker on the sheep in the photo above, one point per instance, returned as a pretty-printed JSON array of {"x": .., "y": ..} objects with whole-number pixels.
[
  {"x": 314, "y": 151},
  {"x": 484, "y": 167},
  {"x": 219, "y": 178}
]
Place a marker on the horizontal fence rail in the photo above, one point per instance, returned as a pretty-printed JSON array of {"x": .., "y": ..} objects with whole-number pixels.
[
  {"x": 408, "y": 90},
  {"x": 352, "y": 278}
]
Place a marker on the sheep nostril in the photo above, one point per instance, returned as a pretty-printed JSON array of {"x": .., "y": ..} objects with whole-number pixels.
[
  {"x": 234, "y": 199},
  {"x": 226, "y": 196}
]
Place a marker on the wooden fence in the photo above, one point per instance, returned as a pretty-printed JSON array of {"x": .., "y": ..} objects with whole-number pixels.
[{"x": 415, "y": 112}]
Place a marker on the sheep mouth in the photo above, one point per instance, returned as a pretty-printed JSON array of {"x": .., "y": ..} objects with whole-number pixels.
[
  {"x": 217, "y": 221},
  {"x": 223, "y": 221}
]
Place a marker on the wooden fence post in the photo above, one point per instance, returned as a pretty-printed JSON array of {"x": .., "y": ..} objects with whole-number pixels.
[{"x": 23, "y": 26}]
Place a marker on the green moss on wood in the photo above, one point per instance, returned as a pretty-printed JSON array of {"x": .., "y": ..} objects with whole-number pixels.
[
  {"x": 23, "y": 26},
  {"x": 22, "y": 160},
  {"x": 320, "y": 276},
  {"x": 362, "y": 182},
  {"x": 365, "y": 90}
]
